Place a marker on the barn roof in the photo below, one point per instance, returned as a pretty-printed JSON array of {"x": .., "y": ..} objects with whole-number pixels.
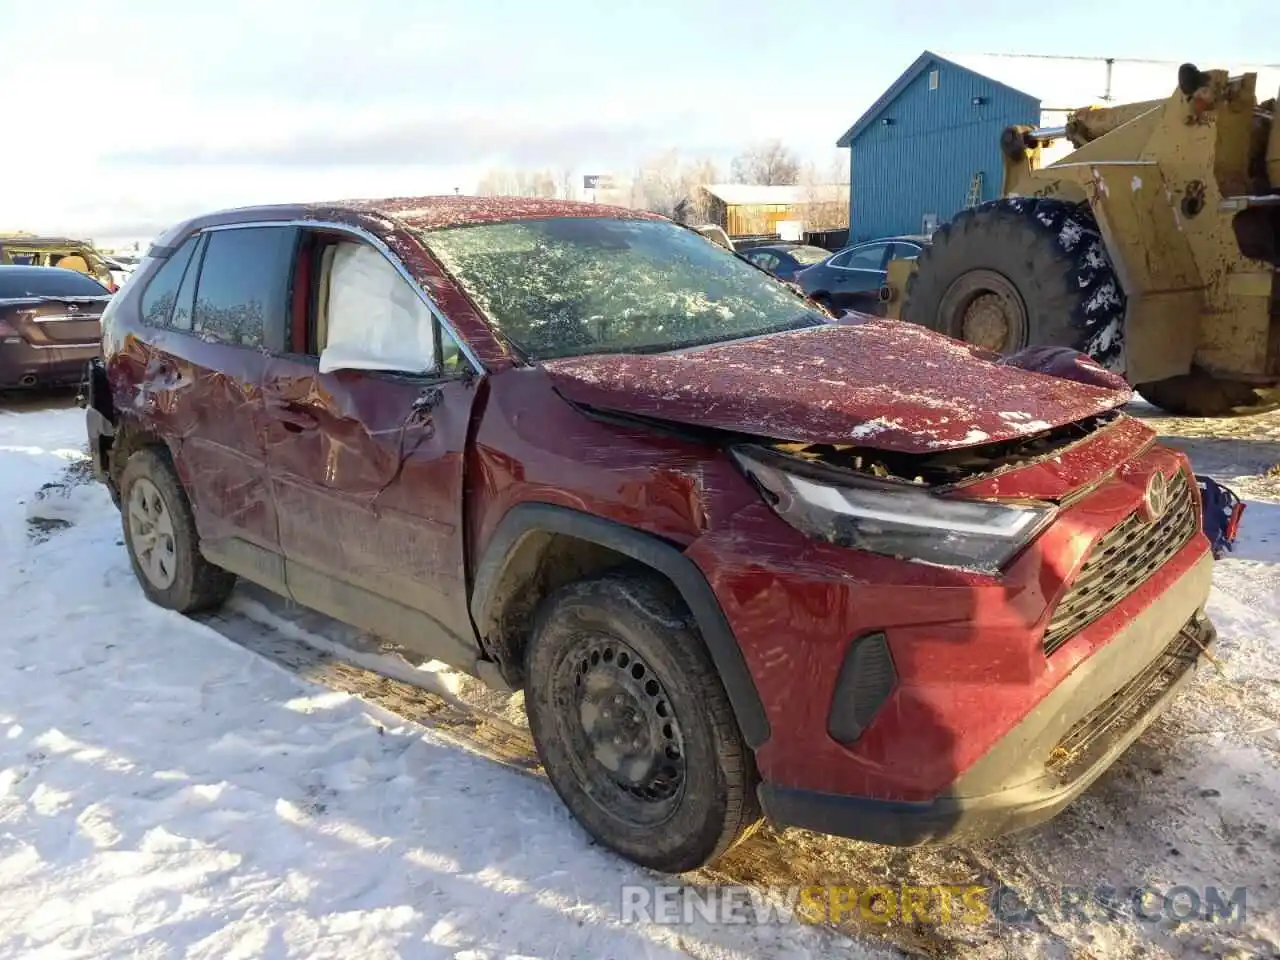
[
  {"x": 745, "y": 194},
  {"x": 895, "y": 90}
]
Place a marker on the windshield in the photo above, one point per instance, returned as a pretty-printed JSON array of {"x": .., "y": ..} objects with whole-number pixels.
[
  {"x": 571, "y": 286},
  {"x": 808, "y": 255}
]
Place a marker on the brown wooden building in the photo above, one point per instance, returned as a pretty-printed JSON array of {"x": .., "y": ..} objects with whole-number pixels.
[{"x": 742, "y": 209}]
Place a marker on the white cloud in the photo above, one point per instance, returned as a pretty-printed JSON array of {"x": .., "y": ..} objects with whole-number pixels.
[{"x": 195, "y": 108}]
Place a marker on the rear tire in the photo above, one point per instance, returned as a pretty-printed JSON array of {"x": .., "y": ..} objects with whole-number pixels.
[
  {"x": 160, "y": 535},
  {"x": 633, "y": 725},
  {"x": 1021, "y": 272}
]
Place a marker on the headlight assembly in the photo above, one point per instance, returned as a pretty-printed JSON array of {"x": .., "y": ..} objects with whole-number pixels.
[{"x": 891, "y": 519}]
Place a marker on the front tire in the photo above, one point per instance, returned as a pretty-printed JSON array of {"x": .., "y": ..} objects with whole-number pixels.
[
  {"x": 160, "y": 535},
  {"x": 633, "y": 725}
]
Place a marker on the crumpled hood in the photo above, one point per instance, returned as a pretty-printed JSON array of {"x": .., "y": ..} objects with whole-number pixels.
[{"x": 884, "y": 384}]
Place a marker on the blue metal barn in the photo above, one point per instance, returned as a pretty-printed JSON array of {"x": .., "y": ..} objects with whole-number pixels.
[{"x": 929, "y": 147}]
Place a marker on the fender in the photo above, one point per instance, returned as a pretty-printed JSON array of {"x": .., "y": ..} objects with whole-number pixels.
[{"x": 529, "y": 518}]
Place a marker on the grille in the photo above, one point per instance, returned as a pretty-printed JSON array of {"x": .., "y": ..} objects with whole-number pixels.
[
  {"x": 1090, "y": 737},
  {"x": 1121, "y": 562}
]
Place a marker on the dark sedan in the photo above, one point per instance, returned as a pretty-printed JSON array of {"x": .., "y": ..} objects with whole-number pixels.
[
  {"x": 851, "y": 279},
  {"x": 49, "y": 325},
  {"x": 785, "y": 260}
]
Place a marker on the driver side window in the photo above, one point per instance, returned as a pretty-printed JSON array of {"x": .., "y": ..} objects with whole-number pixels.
[{"x": 355, "y": 311}]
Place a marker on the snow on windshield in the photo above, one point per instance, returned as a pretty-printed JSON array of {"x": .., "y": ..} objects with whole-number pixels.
[{"x": 565, "y": 287}]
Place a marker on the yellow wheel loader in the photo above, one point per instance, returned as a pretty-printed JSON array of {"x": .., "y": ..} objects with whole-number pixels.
[{"x": 1153, "y": 247}]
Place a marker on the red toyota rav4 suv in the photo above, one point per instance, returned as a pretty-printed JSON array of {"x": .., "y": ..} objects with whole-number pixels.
[{"x": 857, "y": 577}]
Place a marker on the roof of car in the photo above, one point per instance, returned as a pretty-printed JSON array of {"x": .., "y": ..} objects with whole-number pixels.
[
  {"x": 423, "y": 213},
  {"x": 908, "y": 237},
  {"x": 785, "y": 247},
  {"x": 30, "y": 267},
  {"x": 34, "y": 240}
]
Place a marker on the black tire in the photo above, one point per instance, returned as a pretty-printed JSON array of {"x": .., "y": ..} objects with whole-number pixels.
[
  {"x": 1199, "y": 395},
  {"x": 1035, "y": 269},
  {"x": 196, "y": 583},
  {"x": 626, "y": 640}
]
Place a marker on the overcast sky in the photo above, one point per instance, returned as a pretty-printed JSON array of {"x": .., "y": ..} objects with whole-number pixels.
[{"x": 120, "y": 118}]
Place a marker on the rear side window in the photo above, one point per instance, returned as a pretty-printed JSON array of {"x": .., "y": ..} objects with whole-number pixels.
[
  {"x": 48, "y": 282},
  {"x": 242, "y": 294},
  {"x": 162, "y": 289}
]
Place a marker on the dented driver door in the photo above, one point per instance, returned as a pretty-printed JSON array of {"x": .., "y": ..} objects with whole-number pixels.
[
  {"x": 366, "y": 471},
  {"x": 365, "y": 458}
]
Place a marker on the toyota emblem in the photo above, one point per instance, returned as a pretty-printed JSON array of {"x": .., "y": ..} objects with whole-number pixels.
[{"x": 1156, "y": 500}]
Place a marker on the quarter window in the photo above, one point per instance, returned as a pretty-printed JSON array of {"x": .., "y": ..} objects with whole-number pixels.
[
  {"x": 185, "y": 305},
  {"x": 162, "y": 291},
  {"x": 242, "y": 294}
]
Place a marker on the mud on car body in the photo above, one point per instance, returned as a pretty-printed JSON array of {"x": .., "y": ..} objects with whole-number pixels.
[{"x": 857, "y": 577}]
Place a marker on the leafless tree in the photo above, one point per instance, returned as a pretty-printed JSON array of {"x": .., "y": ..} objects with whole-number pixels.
[
  {"x": 565, "y": 184},
  {"x": 768, "y": 163},
  {"x": 826, "y": 194},
  {"x": 518, "y": 183},
  {"x": 667, "y": 184}
]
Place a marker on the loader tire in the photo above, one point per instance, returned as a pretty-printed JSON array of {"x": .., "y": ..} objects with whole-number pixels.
[
  {"x": 1021, "y": 272},
  {"x": 1198, "y": 394}
]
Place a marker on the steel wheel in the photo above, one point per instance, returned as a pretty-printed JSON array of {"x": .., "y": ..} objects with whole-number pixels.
[
  {"x": 626, "y": 741},
  {"x": 633, "y": 725},
  {"x": 151, "y": 534}
]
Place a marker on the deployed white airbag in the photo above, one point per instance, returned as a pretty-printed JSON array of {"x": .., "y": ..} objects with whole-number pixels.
[{"x": 375, "y": 319}]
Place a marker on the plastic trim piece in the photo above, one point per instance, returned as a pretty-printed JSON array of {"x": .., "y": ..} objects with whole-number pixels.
[{"x": 527, "y": 518}]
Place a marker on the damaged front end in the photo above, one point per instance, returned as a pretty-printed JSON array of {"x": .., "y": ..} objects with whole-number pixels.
[
  {"x": 911, "y": 506},
  {"x": 948, "y": 469},
  {"x": 889, "y": 516}
]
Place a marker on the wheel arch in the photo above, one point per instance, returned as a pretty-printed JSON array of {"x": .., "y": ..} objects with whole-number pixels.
[{"x": 510, "y": 582}]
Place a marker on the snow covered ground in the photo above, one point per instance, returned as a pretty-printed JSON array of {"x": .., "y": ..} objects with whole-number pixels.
[
  {"x": 166, "y": 793},
  {"x": 171, "y": 788}
]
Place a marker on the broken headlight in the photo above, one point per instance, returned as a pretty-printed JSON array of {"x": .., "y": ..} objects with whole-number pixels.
[{"x": 893, "y": 519}]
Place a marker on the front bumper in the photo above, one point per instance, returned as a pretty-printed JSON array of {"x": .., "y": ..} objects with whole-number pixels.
[{"x": 1053, "y": 755}]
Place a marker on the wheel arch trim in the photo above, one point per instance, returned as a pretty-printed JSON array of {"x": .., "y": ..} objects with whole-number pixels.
[{"x": 653, "y": 552}]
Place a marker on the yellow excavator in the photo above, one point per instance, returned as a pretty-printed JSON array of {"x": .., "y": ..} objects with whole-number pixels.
[{"x": 1153, "y": 247}]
